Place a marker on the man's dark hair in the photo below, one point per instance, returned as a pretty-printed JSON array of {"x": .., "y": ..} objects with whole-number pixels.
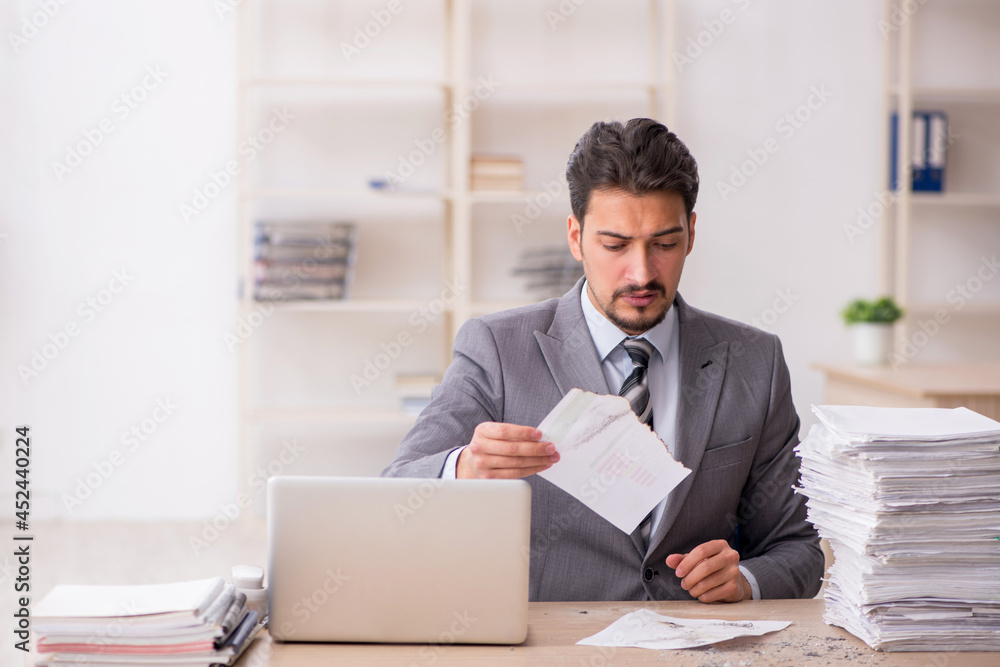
[{"x": 639, "y": 157}]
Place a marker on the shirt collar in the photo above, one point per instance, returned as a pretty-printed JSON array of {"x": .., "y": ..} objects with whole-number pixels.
[{"x": 607, "y": 336}]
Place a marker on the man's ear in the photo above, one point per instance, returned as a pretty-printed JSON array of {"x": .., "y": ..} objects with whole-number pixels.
[
  {"x": 573, "y": 237},
  {"x": 692, "y": 218}
]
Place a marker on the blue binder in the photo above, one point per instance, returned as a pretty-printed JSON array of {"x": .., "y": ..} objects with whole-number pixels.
[{"x": 928, "y": 147}]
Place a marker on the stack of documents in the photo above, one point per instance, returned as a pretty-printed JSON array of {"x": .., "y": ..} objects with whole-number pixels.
[
  {"x": 909, "y": 499},
  {"x": 191, "y": 623},
  {"x": 304, "y": 260}
]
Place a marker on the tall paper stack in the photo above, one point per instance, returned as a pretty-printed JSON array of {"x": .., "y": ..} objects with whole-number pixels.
[{"x": 909, "y": 499}]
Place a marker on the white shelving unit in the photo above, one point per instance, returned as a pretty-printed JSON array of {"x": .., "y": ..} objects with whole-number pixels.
[
  {"x": 940, "y": 55},
  {"x": 433, "y": 253}
]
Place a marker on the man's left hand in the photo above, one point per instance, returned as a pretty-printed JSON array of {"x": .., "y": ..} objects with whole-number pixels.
[{"x": 710, "y": 572}]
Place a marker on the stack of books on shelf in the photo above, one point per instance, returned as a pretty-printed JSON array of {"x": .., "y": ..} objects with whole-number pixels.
[
  {"x": 493, "y": 173},
  {"x": 551, "y": 271},
  {"x": 204, "y": 622},
  {"x": 303, "y": 260},
  {"x": 907, "y": 498},
  {"x": 414, "y": 391}
]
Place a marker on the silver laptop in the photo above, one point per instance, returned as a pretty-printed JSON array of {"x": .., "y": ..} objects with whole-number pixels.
[{"x": 398, "y": 560}]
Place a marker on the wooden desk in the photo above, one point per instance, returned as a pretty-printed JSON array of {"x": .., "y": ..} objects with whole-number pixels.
[
  {"x": 555, "y": 627},
  {"x": 972, "y": 385}
]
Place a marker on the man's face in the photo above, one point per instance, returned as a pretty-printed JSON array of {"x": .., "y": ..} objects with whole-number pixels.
[{"x": 633, "y": 251}]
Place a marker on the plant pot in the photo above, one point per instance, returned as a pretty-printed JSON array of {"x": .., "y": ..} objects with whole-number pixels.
[{"x": 872, "y": 342}]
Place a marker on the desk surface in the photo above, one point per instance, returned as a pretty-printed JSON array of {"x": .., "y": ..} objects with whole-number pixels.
[
  {"x": 555, "y": 627},
  {"x": 922, "y": 380}
]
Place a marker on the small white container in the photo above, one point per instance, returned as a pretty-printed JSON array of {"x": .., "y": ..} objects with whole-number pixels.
[
  {"x": 872, "y": 342},
  {"x": 249, "y": 580}
]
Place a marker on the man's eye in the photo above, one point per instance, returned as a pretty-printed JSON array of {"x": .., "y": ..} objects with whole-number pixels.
[
  {"x": 613, "y": 247},
  {"x": 667, "y": 246}
]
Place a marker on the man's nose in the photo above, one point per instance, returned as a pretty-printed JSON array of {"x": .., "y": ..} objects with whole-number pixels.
[{"x": 641, "y": 269}]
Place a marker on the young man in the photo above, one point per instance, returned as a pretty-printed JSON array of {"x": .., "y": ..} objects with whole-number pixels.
[{"x": 715, "y": 391}]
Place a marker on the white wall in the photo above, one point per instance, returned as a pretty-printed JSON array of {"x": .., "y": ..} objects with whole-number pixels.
[
  {"x": 161, "y": 337},
  {"x": 778, "y": 242}
]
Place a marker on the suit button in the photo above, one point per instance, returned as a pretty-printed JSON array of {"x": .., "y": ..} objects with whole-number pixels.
[{"x": 648, "y": 574}]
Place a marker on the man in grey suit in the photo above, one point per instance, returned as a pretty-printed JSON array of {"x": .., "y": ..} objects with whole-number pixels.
[{"x": 718, "y": 390}]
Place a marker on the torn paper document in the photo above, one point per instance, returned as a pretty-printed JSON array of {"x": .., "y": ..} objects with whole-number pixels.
[
  {"x": 647, "y": 629},
  {"x": 609, "y": 460}
]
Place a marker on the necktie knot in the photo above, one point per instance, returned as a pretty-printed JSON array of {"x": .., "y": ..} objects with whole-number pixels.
[{"x": 639, "y": 350}]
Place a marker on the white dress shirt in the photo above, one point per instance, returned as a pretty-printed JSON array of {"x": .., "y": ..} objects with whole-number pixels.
[{"x": 663, "y": 375}]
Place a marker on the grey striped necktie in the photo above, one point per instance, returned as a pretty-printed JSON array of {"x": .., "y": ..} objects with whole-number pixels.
[
  {"x": 636, "y": 386},
  {"x": 636, "y": 390}
]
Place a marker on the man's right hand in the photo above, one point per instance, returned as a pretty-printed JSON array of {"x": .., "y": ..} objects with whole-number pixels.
[{"x": 505, "y": 451}]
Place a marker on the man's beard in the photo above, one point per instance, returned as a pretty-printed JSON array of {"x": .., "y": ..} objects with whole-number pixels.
[{"x": 645, "y": 319}]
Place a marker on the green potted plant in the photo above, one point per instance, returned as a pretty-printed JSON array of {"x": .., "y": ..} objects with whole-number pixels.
[{"x": 871, "y": 326}]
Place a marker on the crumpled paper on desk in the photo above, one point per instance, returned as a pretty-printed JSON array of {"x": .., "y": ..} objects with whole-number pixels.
[{"x": 647, "y": 629}]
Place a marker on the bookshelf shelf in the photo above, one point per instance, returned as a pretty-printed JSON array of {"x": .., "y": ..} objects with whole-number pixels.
[
  {"x": 970, "y": 307},
  {"x": 354, "y": 306},
  {"x": 333, "y": 193},
  {"x": 434, "y": 234},
  {"x": 389, "y": 84},
  {"x": 938, "y": 61},
  {"x": 951, "y": 94},
  {"x": 574, "y": 88},
  {"x": 956, "y": 199},
  {"x": 512, "y": 196},
  {"x": 332, "y": 414}
]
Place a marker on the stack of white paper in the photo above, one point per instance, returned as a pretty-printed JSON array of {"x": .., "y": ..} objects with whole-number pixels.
[
  {"x": 909, "y": 499},
  {"x": 184, "y": 624}
]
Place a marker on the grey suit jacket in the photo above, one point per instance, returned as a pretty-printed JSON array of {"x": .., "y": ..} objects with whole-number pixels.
[{"x": 736, "y": 427}]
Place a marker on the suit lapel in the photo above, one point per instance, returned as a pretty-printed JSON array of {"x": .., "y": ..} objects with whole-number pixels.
[
  {"x": 703, "y": 368},
  {"x": 569, "y": 350}
]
